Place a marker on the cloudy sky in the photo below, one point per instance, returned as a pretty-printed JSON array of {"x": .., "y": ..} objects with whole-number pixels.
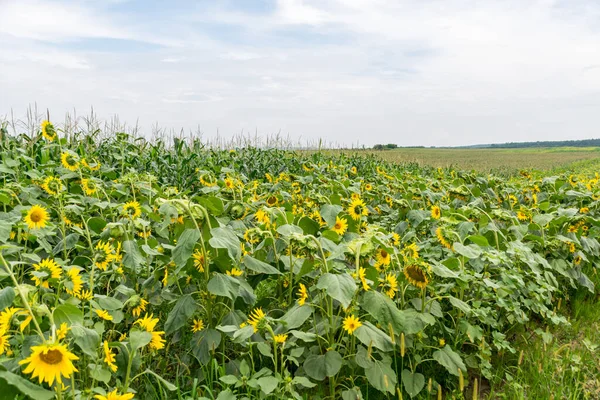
[{"x": 411, "y": 72}]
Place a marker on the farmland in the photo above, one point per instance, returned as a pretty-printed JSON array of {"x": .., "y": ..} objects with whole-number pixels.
[{"x": 153, "y": 269}]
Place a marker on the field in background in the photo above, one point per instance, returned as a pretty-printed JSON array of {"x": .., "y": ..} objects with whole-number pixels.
[{"x": 492, "y": 159}]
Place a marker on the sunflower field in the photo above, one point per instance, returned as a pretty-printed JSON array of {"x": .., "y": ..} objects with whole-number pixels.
[{"x": 152, "y": 270}]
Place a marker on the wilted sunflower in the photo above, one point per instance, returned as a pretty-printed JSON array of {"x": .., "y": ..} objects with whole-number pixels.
[
  {"x": 48, "y": 362},
  {"x": 351, "y": 323},
  {"x": 69, "y": 160},
  {"x": 411, "y": 251},
  {"x": 52, "y": 185},
  {"x": 357, "y": 209},
  {"x": 114, "y": 395},
  {"x": 257, "y": 318},
  {"x": 416, "y": 276},
  {"x": 104, "y": 255},
  {"x": 48, "y": 131},
  {"x": 198, "y": 325},
  {"x": 207, "y": 180},
  {"x": 302, "y": 294},
  {"x": 89, "y": 186},
  {"x": 132, "y": 210},
  {"x": 36, "y": 217},
  {"x": 436, "y": 212},
  {"x": 390, "y": 285},
  {"x": 50, "y": 268},
  {"x": 109, "y": 357},
  {"x": 340, "y": 226},
  {"x": 272, "y": 201},
  {"x": 440, "y": 235}
]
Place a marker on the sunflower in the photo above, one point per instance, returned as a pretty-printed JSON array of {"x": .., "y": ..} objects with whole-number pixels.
[
  {"x": 52, "y": 185},
  {"x": 440, "y": 235},
  {"x": 85, "y": 295},
  {"x": 340, "y": 226},
  {"x": 104, "y": 255},
  {"x": 48, "y": 131},
  {"x": 73, "y": 283},
  {"x": 395, "y": 239},
  {"x": 571, "y": 247},
  {"x": 103, "y": 314},
  {"x": 522, "y": 216},
  {"x": 62, "y": 331},
  {"x": 114, "y": 395},
  {"x": 234, "y": 272},
  {"x": 383, "y": 259},
  {"x": 37, "y": 217},
  {"x": 262, "y": 217},
  {"x": 109, "y": 357},
  {"x": 69, "y": 160},
  {"x": 49, "y": 267},
  {"x": 207, "y": 180},
  {"x": 411, "y": 251},
  {"x": 272, "y": 201},
  {"x": 49, "y": 361},
  {"x": 132, "y": 210},
  {"x": 357, "y": 209},
  {"x": 139, "y": 307},
  {"x": 280, "y": 338},
  {"x": 89, "y": 186},
  {"x": 353, "y": 170},
  {"x": 416, "y": 276},
  {"x": 95, "y": 166},
  {"x": 6, "y": 317},
  {"x": 362, "y": 276},
  {"x": 229, "y": 184},
  {"x": 302, "y": 294},
  {"x": 584, "y": 210},
  {"x": 257, "y": 318},
  {"x": 368, "y": 187},
  {"x": 198, "y": 325},
  {"x": 390, "y": 285},
  {"x": 351, "y": 323},
  {"x": 149, "y": 323},
  {"x": 436, "y": 212}
]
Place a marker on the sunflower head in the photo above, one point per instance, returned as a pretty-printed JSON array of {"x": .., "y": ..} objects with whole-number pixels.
[
  {"x": 351, "y": 323},
  {"x": 37, "y": 217},
  {"x": 257, "y": 319},
  {"x": 48, "y": 131},
  {"x": 50, "y": 362},
  {"x": 70, "y": 160},
  {"x": 89, "y": 186},
  {"x": 44, "y": 271},
  {"x": 357, "y": 209},
  {"x": 436, "y": 212},
  {"x": 52, "y": 185},
  {"x": 416, "y": 276},
  {"x": 340, "y": 226},
  {"x": 132, "y": 210}
]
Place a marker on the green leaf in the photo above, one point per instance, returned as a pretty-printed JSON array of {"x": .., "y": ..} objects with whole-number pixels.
[
  {"x": 259, "y": 266},
  {"x": 7, "y": 295},
  {"x": 96, "y": 224},
  {"x": 384, "y": 310},
  {"x": 470, "y": 251},
  {"x": 168, "y": 385},
  {"x": 296, "y": 316},
  {"x": 179, "y": 315},
  {"x": 203, "y": 343},
  {"x": 225, "y": 238},
  {"x": 185, "y": 246},
  {"x": 139, "y": 339},
  {"x": 226, "y": 395},
  {"x": 329, "y": 212},
  {"x": 99, "y": 373},
  {"x": 479, "y": 240},
  {"x": 341, "y": 287},
  {"x": 223, "y": 285},
  {"x": 413, "y": 383},
  {"x": 320, "y": 366},
  {"x": 381, "y": 376},
  {"x": 133, "y": 258},
  {"x": 268, "y": 384},
  {"x": 450, "y": 360},
  {"x": 212, "y": 204},
  {"x": 5, "y": 228},
  {"x": 87, "y": 339},
  {"x": 370, "y": 335},
  {"x": 461, "y": 305},
  {"x": 24, "y": 386},
  {"x": 109, "y": 303},
  {"x": 67, "y": 313},
  {"x": 352, "y": 394},
  {"x": 243, "y": 334}
]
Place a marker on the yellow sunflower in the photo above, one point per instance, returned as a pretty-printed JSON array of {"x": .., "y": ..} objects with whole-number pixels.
[
  {"x": 351, "y": 323},
  {"x": 89, "y": 186},
  {"x": 357, "y": 209},
  {"x": 103, "y": 314},
  {"x": 198, "y": 260},
  {"x": 52, "y": 185},
  {"x": 62, "y": 331},
  {"x": 436, "y": 212},
  {"x": 85, "y": 295},
  {"x": 4, "y": 345},
  {"x": 132, "y": 210},
  {"x": 390, "y": 285},
  {"x": 109, "y": 357},
  {"x": 234, "y": 272},
  {"x": 198, "y": 325},
  {"x": 74, "y": 283},
  {"x": 262, "y": 217},
  {"x": 48, "y": 362},
  {"x": 257, "y": 317},
  {"x": 48, "y": 131},
  {"x": 272, "y": 201},
  {"x": 50, "y": 268},
  {"x": 114, "y": 395},
  {"x": 383, "y": 259},
  {"x": 280, "y": 338},
  {"x": 416, "y": 276},
  {"x": 302, "y": 294},
  {"x": 440, "y": 235},
  {"x": 139, "y": 307},
  {"x": 149, "y": 323},
  {"x": 37, "y": 217},
  {"x": 341, "y": 225},
  {"x": 69, "y": 160},
  {"x": 104, "y": 255},
  {"x": 362, "y": 275}
]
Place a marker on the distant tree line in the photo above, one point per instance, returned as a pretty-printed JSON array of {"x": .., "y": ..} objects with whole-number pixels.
[
  {"x": 561, "y": 143},
  {"x": 388, "y": 146}
]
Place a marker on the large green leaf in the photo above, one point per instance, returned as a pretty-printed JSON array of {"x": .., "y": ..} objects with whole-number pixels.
[
  {"x": 320, "y": 366},
  {"x": 383, "y": 309},
  {"x": 224, "y": 285},
  {"x": 259, "y": 266},
  {"x": 132, "y": 258},
  {"x": 341, "y": 287},
  {"x": 413, "y": 382},
  {"x": 67, "y": 313},
  {"x": 370, "y": 335},
  {"x": 450, "y": 360},
  {"x": 225, "y": 238},
  {"x": 381, "y": 376},
  {"x": 185, "y": 246},
  {"x": 296, "y": 316},
  {"x": 29, "y": 389},
  {"x": 87, "y": 339},
  {"x": 7, "y": 295},
  {"x": 183, "y": 310},
  {"x": 205, "y": 342},
  {"x": 139, "y": 339}
]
